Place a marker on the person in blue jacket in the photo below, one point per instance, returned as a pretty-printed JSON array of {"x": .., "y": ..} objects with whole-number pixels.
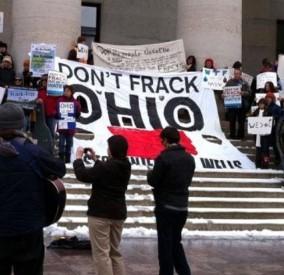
[{"x": 22, "y": 204}]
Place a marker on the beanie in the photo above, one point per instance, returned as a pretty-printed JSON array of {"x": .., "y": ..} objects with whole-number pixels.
[
  {"x": 118, "y": 146},
  {"x": 11, "y": 116}
]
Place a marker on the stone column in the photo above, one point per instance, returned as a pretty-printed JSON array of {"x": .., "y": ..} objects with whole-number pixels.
[
  {"x": 52, "y": 21},
  {"x": 211, "y": 29}
]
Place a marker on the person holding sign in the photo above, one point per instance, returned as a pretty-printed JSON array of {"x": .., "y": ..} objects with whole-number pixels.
[
  {"x": 68, "y": 110},
  {"x": 238, "y": 113}
]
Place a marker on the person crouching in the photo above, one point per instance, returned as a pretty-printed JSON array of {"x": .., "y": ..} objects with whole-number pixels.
[{"x": 68, "y": 110}]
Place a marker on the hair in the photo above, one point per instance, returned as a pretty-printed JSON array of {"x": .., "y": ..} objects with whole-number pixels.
[
  {"x": 209, "y": 60},
  {"x": 118, "y": 146},
  {"x": 171, "y": 134},
  {"x": 70, "y": 87},
  {"x": 237, "y": 65},
  {"x": 81, "y": 39},
  {"x": 262, "y": 101},
  {"x": 271, "y": 96},
  {"x": 271, "y": 87},
  {"x": 193, "y": 67}
]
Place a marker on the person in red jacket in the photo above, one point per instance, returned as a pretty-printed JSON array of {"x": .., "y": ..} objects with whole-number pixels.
[
  {"x": 68, "y": 109},
  {"x": 49, "y": 103}
]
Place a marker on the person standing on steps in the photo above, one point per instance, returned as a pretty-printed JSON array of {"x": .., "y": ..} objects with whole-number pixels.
[{"x": 170, "y": 178}]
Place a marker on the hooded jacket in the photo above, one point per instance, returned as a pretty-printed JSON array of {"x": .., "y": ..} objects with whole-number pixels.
[{"x": 21, "y": 189}]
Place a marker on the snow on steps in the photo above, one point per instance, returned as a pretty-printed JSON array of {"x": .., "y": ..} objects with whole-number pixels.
[{"x": 219, "y": 201}]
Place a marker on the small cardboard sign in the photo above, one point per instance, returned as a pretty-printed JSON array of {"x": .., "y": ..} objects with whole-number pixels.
[
  {"x": 232, "y": 97},
  {"x": 82, "y": 51},
  {"x": 260, "y": 125},
  {"x": 55, "y": 83}
]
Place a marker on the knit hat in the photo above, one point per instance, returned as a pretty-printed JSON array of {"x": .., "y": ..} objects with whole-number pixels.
[
  {"x": 118, "y": 146},
  {"x": 11, "y": 116},
  {"x": 271, "y": 96}
]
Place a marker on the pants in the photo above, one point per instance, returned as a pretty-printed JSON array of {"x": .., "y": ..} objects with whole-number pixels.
[
  {"x": 271, "y": 141},
  {"x": 51, "y": 123},
  {"x": 22, "y": 254},
  {"x": 234, "y": 116},
  {"x": 170, "y": 250},
  {"x": 65, "y": 146},
  {"x": 105, "y": 236}
]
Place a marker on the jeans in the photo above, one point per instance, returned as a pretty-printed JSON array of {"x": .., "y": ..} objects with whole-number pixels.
[
  {"x": 170, "y": 249},
  {"x": 65, "y": 146},
  {"x": 22, "y": 254}
]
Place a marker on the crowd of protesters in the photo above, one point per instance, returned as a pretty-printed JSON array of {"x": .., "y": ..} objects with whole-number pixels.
[{"x": 21, "y": 235}]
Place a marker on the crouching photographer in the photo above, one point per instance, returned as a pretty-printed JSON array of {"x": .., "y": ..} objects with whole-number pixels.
[{"x": 106, "y": 206}]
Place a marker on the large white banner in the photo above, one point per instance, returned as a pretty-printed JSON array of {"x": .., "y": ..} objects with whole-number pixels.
[
  {"x": 158, "y": 58},
  {"x": 137, "y": 106}
]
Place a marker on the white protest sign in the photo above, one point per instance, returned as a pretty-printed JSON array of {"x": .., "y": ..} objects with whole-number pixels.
[
  {"x": 156, "y": 58},
  {"x": 260, "y": 125},
  {"x": 280, "y": 68},
  {"x": 215, "y": 79},
  {"x": 25, "y": 97},
  {"x": 232, "y": 97},
  {"x": 55, "y": 83},
  {"x": 1, "y": 21},
  {"x": 66, "y": 123},
  {"x": 67, "y": 119},
  {"x": 259, "y": 96},
  {"x": 138, "y": 106},
  {"x": 82, "y": 51},
  {"x": 66, "y": 108},
  {"x": 262, "y": 78},
  {"x": 42, "y": 58},
  {"x": 2, "y": 93}
]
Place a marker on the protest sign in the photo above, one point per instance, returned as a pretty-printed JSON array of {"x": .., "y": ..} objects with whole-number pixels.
[
  {"x": 42, "y": 58},
  {"x": 137, "y": 106},
  {"x": 262, "y": 78},
  {"x": 280, "y": 68},
  {"x": 156, "y": 58},
  {"x": 2, "y": 94},
  {"x": 232, "y": 97},
  {"x": 260, "y": 125},
  {"x": 66, "y": 111},
  {"x": 55, "y": 83},
  {"x": 258, "y": 96},
  {"x": 82, "y": 51},
  {"x": 25, "y": 97},
  {"x": 215, "y": 79},
  {"x": 1, "y": 21}
]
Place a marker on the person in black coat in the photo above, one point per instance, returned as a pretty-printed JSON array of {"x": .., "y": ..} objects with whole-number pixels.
[
  {"x": 7, "y": 73},
  {"x": 170, "y": 178},
  {"x": 106, "y": 206},
  {"x": 22, "y": 204}
]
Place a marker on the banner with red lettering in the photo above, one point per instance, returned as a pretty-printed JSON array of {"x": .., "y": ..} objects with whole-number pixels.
[{"x": 138, "y": 106}]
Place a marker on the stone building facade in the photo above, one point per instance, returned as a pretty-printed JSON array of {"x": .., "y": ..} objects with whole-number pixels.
[{"x": 225, "y": 30}]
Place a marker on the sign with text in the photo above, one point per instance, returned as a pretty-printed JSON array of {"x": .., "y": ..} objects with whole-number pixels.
[
  {"x": 156, "y": 58},
  {"x": 215, "y": 79},
  {"x": 2, "y": 94},
  {"x": 82, "y": 51},
  {"x": 55, "y": 83},
  {"x": 138, "y": 106},
  {"x": 42, "y": 59},
  {"x": 280, "y": 68},
  {"x": 67, "y": 121},
  {"x": 25, "y": 97},
  {"x": 232, "y": 97},
  {"x": 259, "y": 96},
  {"x": 1, "y": 21},
  {"x": 261, "y": 79},
  {"x": 260, "y": 125}
]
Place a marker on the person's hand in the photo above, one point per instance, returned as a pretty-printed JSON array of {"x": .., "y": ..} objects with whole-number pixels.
[
  {"x": 79, "y": 152},
  {"x": 91, "y": 154},
  {"x": 39, "y": 100}
]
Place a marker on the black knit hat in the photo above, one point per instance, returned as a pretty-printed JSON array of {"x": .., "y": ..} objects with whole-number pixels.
[
  {"x": 118, "y": 146},
  {"x": 11, "y": 116}
]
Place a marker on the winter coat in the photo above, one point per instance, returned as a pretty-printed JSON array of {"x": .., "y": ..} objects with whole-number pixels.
[
  {"x": 7, "y": 77},
  {"x": 49, "y": 102},
  {"x": 76, "y": 115},
  {"x": 21, "y": 189},
  {"x": 171, "y": 177},
  {"x": 109, "y": 184}
]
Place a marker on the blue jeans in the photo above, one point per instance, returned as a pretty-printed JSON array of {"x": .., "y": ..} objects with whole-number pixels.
[{"x": 65, "y": 146}]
